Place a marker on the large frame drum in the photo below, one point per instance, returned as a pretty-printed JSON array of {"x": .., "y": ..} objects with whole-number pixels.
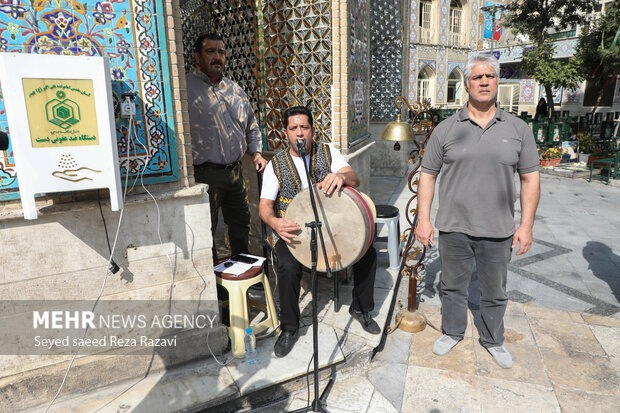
[{"x": 348, "y": 219}]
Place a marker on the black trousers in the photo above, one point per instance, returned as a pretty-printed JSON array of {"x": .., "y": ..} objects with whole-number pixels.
[
  {"x": 289, "y": 284},
  {"x": 227, "y": 191}
]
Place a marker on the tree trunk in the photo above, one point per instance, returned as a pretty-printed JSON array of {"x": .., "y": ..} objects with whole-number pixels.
[
  {"x": 550, "y": 104},
  {"x": 600, "y": 95},
  {"x": 550, "y": 108}
]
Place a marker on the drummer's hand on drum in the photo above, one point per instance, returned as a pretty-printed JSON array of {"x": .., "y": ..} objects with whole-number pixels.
[
  {"x": 286, "y": 229},
  {"x": 332, "y": 181},
  {"x": 425, "y": 233}
]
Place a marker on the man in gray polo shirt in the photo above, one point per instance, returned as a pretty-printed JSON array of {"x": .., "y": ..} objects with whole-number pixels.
[{"x": 478, "y": 151}]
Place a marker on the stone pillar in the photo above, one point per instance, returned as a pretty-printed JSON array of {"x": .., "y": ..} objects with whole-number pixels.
[{"x": 340, "y": 96}]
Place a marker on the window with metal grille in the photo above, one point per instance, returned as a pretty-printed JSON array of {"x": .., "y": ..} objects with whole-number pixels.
[
  {"x": 563, "y": 35},
  {"x": 509, "y": 97},
  {"x": 456, "y": 12},
  {"x": 423, "y": 88},
  {"x": 455, "y": 87},
  {"x": 425, "y": 21},
  {"x": 424, "y": 85}
]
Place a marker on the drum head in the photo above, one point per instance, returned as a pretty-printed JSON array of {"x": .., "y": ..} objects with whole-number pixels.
[{"x": 347, "y": 223}]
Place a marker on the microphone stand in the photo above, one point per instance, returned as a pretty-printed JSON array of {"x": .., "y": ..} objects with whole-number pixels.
[{"x": 317, "y": 404}]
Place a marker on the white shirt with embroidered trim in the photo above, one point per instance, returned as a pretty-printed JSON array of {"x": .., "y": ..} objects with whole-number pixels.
[{"x": 270, "y": 186}]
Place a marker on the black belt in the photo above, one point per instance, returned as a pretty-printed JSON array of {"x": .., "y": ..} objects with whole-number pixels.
[{"x": 211, "y": 165}]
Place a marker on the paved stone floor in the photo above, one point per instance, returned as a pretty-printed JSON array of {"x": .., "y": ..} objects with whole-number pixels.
[{"x": 564, "y": 362}]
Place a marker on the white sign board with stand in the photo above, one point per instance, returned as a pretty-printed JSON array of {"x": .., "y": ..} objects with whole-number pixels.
[{"x": 61, "y": 123}]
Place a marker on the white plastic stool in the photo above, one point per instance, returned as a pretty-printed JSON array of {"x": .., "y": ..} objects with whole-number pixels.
[
  {"x": 239, "y": 306},
  {"x": 388, "y": 214}
]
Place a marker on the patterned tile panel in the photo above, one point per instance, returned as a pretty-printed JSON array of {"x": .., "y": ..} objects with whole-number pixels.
[
  {"x": 512, "y": 54},
  {"x": 509, "y": 71},
  {"x": 131, "y": 34},
  {"x": 236, "y": 22},
  {"x": 474, "y": 25},
  {"x": 441, "y": 74},
  {"x": 413, "y": 51},
  {"x": 527, "y": 95},
  {"x": 385, "y": 58},
  {"x": 452, "y": 65},
  {"x": 413, "y": 74},
  {"x": 359, "y": 61},
  {"x": 429, "y": 63},
  {"x": 197, "y": 19},
  {"x": 443, "y": 19},
  {"x": 573, "y": 96},
  {"x": 565, "y": 48},
  {"x": 297, "y": 59},
  {"x": 413, "y": 21}
]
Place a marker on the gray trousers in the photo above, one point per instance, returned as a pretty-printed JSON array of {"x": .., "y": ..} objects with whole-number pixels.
[{"x": 458, "y": 252}]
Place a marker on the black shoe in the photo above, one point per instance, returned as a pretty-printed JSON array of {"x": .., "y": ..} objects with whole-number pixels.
[
  {"x": 366, "y": 321},
  {"x": 257, "y": 288},
  {"x": 285, "y": 343}
]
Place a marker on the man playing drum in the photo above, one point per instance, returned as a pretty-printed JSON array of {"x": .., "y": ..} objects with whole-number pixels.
[{"x": 285, "y": 177}]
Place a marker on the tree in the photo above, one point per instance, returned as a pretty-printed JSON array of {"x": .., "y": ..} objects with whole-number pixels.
[
  {"x": 537, "y": 19},
  {"x": 599, "y": 50}
]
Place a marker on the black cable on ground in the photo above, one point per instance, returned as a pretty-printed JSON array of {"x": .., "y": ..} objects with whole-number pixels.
[{"x": 114, "y": 268}]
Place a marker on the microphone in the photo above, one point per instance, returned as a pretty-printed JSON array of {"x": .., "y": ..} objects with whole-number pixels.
[
  {"x": 301, "y": 147},
  {"x": 4, "y": 141}
]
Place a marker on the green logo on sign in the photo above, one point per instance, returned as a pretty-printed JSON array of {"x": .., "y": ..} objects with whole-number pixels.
[{"x": 63, "y": 113}]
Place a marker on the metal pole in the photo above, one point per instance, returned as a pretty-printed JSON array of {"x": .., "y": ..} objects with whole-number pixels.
[
  {"x": 493, "y": 9},
  {"x": 492, "y": 28}
]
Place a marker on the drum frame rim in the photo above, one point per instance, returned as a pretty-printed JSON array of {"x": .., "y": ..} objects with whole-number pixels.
[
  {"x": 370, "y": 215},
  {"x": 365, "y": 213}
]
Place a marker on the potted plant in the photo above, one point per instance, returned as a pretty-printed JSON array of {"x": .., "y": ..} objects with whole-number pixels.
[
  {"x": 598, "y": 154},
  {"x": 551, "y": 157},
  {"x": 586, "y": 146}
]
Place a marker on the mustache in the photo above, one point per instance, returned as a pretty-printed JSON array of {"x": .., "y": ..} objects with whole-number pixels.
[{"x": 215, "y": 62}]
